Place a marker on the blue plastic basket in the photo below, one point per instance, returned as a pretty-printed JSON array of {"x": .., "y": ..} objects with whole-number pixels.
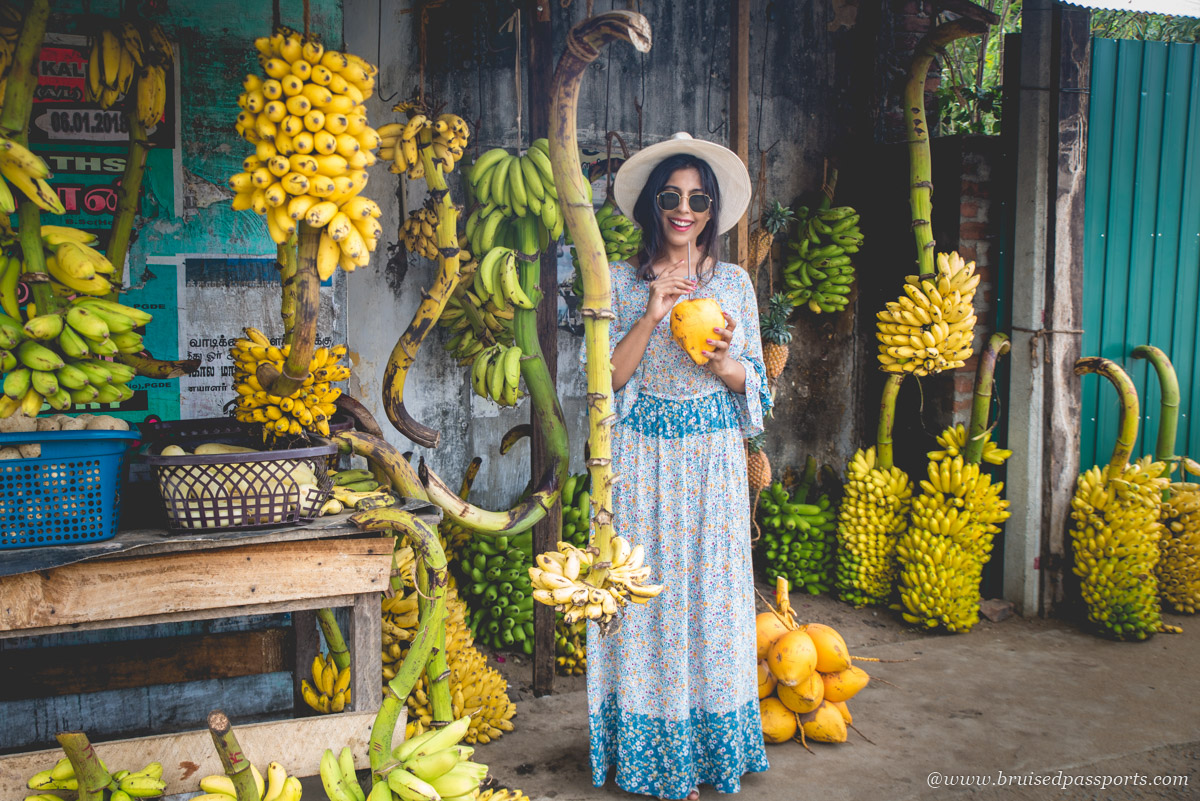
[{"x": 69, "y": 494}]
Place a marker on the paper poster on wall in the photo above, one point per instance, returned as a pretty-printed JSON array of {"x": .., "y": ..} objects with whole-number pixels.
[
  {"x": 86, "y": 146},
  {"x": 223, "y": 294}
]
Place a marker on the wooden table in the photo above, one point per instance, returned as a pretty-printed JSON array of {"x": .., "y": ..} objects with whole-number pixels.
[{"x": 147, "y": 577}]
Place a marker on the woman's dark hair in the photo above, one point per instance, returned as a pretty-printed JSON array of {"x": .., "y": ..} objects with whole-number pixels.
[{"x": 646, "y": 214}]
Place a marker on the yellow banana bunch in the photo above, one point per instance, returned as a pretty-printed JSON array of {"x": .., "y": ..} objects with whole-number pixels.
[
  {"x": 28, "y": 173},
  {"x": 309, "y": 408},
  {"x": 477, "y": 689},
  {"x": 330, "y": 688},
  {"x": 1115, "y": 533},
  {"x": 278, "y": 786},
  {"x": 949, "y": 538},
  {"x": 418, "y": 234},
  {"x": 560, "y": 580},
  {"x": 124, "y": 52},
  {"x": 954, "y": 442},
  {"x": 570, "y": 645},
  {"x": 873, "y": 513},
  {"x": 502, "y": 794},
  {"x": 398, "y": 140},
  {"x": 931, "y": 327},
  {"x": 1179, "y": 562},
  {"x": 313, "y": 145}
]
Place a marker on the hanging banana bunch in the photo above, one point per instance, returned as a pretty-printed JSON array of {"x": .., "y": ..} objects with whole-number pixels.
[
  {"x": 476, "y": 323},
  {"x": 119, "y": 56},
  {"x": 1116, "y": 525},
  {"x": 820, "y": 273},
  {"x": 28, "y": 173},
  {"x": 309, "y": 408},
  {"x": 10, "y": 30},
  {"x": 510, "y": 187},
  {"x": 932, "y": 326},
  {"x": 1179, "y": 558},
  {"x": 873, "y": 514},
  {"x": 622, "y": 240},
  {"x": 313, "y": 145},
  {"x": 399, "y": 141}
]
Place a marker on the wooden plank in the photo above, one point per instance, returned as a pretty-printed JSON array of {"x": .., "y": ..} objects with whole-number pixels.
[
  {"x": 307, "y": 645},
  {"x": 547, "y": 531},
  {"x": 187, "y": 757},
  {"x": 41, "y": 672},
  {"x": 241, "y": 610},
  {"x": 366, "y": 668},
  {"x": 1064, "y": 292},
  {"x": 140, "y": 586},
  {"x": 739, "y": 114}
]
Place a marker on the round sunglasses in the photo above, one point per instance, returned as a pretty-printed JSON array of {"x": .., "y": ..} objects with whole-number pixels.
[{"x": 668, "y": 200}]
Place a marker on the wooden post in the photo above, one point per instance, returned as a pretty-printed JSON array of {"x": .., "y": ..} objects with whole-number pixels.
[
  {"x": 307, "y": 645},
  {"x": 1071, "y": 77},
  {"x": 546, "y": 532},
  {"x": 739, "y": 114}
]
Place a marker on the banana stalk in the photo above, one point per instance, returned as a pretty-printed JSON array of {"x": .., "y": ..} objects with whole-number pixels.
[
  {"x": 432, "y": 302},
  {"x": 431, "y": 565},
  {"x": 1168, "y": 425},
  {"x": 287, "y": 277},
  {"x": 547, "y": 416},
  {"x": 157, "y": 368},
  {"x": 233, "y": 759},
  {"x": 14, "y": 117},
  {"x": 997, "y": 346},
  {"x": 127, "y": 199},
  {"x": 515, "y": 434},
  {"x": 584, "y": 44},
  {"x": 920, "y": 162},
  {"x": 92, "y": 777},
  {"x": 383, "y": 457},
  {"x": 306, "y": 286},
  {"x": 334, "y": 638},
  {"x": 437, "y": 671},
  {"x": 887, "y": 420},
  {"x": 1127, "y": 429},
  {"x": 363, "y": 419}
]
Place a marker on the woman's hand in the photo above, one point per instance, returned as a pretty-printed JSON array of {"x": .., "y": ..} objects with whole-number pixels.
[
  {"x": 664, "y": 291},
  {"x": 720, "y": 364}
]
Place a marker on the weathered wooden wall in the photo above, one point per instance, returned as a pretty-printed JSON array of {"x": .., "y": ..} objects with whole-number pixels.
[{"x": 810, "y": 99}]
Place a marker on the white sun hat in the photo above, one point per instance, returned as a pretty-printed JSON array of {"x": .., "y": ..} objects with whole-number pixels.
[{"x": 731, "y": 173}]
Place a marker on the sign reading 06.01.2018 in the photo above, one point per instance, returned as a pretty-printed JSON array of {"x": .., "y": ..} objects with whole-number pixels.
[{"x": 86, "y": 145}]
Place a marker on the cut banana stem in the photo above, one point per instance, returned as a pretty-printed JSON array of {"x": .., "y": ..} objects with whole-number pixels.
[
  {"x": 1168, "y": 382},
  {"x": 88, "y": 770},
  {"x": 997, "y": 346},
  {"x": 384, "y": 457},
  {"x": 237, "y": 767},
  {"x": 513, "y": 436},
  {"x": 1128, "y": 428},
  {"x": 586, "y": 41},
  {"x": 432, "y": 304}
]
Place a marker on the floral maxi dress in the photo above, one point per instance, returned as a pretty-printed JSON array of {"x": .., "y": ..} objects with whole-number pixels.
[{"x": 672, "y": 695}]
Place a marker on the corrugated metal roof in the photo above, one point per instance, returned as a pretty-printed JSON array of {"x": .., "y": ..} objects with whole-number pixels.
[{"x": 1175, "y": 8}]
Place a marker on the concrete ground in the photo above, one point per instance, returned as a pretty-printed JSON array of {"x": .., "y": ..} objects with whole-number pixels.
[{"x": 1015, "y": 699}]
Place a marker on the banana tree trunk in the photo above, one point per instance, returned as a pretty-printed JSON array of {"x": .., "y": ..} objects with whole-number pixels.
[
  {"x": 128, "y": 192},
  {"x": 1127, "y": 427},
  {"x": 288, "y": 266},
  {"x": 997, "y": 346},
  {"x": 14, "y": 117},
  {"x": 887, "y": 421},
  {"x": 1168, "y": 424},
  {"x": 306, "y": 288},
  {"x": 584, "y": 44},
  {"x": 433, "y": 302},
  {"x": 920, "y": 163},
  {"x": 90, "y": 774}
]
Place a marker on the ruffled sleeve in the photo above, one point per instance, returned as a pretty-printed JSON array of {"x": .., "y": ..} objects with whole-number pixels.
[
  {"x": 747, "y": 348},
  {"x": 625, "y": 397}
]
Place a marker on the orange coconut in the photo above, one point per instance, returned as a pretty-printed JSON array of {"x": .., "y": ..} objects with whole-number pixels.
[
  {"x": 767, "y": 629},
  {"x": 844, "y": 685},
  {"x": 824, "y": 724},
  {"x": 792, "y": 658},
  {"x": 692, "y": 324},
  {"x": 778, "y": 722},
  {"x": 805, "y": 696},
  {"x": 840, "y": 706},
  {"x": 766, "y": 680},
  {"x": 832, "y": 654}
]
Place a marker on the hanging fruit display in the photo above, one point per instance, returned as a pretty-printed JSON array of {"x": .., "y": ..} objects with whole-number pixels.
[
  {"x": 123, "y": 53},
  {"x": 805, "y": 677},
  {"x": 400, "y": 142},
  {"x": 949, "y": 535},
  {"x": 509, "y": 187},
  {"x": 28, "y": 173},
  {"x": 820, "y": 272},
  {"x": 330, "y": 687},
  {"x": 622, "y": 240},
  {"x": 1116, "y": 525},
  {"x": 313, "y": 145},
  {"x": 799, "y": 539},
  {"x": 873, "y": 513},
  {"x": 774, "y": 221},
  {"x": 1178, "y": 570},
  {"x": 932, "y": 326},
  {"x": 776, "y": 335}
]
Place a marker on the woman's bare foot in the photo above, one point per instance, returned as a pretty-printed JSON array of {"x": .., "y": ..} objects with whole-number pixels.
[{"x": 694, "y": 795}]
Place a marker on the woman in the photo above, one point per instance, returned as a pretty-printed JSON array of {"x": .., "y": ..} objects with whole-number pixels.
[{"x": 672, "y": 695}]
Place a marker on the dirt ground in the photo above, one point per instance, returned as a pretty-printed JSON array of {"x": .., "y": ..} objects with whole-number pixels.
[{"x": 1019, "y": 701}]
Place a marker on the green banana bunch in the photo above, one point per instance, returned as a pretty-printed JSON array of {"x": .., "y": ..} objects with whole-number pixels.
[
  {"x": 576, "y": 509},
  {"x": 356, "y": 480},
  {"x": 495, "y": 585},
  {"x": 799, "y": 538},
  {"x": 475, "y": 324},
  {"x": 515, "y": 186},
  {"x": 570, "y": 647},
  {"x": 622, "y": 240},
  {"x": 144, "y": 783},
  {"x": 496, "y": 374},
  {"x": 820, "y": 273}
]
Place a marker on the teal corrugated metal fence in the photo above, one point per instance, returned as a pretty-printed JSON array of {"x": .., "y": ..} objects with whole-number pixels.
[{"x": 1142, "y": 233}]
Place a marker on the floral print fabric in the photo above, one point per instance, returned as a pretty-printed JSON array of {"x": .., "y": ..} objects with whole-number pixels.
[{"x": 672, "y": 695}]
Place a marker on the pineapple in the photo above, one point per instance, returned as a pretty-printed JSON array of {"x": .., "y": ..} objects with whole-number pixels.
[
  {"x": 776, "y": 219},
  {"x": 758, "y": 468},
  {"x": 776, "y": 334}
]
